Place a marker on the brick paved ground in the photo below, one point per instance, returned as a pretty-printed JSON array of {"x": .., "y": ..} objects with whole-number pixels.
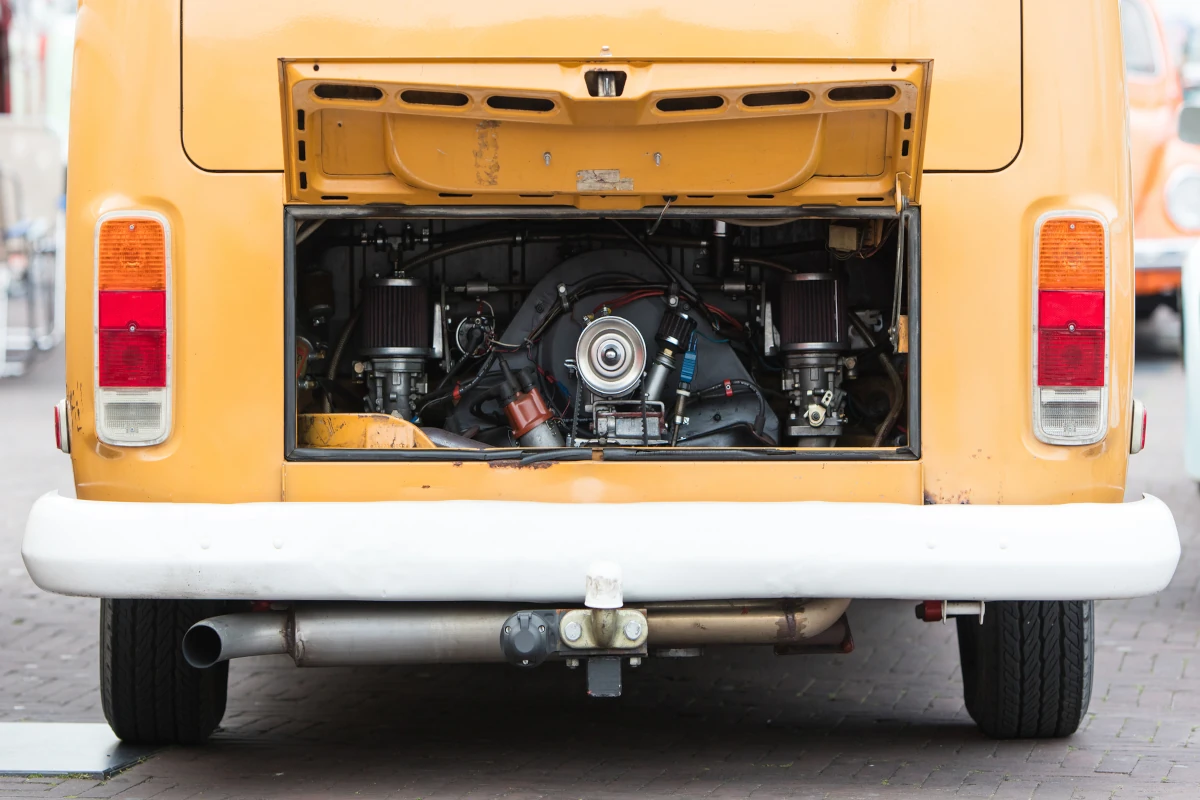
[{"x": 886, "y": 721}]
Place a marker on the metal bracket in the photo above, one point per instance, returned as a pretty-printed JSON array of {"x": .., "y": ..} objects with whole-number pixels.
[
  {"x": 623, "y": 629},
  {"x": 959, "y": 608},
  {"x": 604, "y": 676},
  {"x": 935, "y": 610}
]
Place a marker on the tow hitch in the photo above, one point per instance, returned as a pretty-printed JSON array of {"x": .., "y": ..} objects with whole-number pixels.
[{"x": 604, "y": 633}]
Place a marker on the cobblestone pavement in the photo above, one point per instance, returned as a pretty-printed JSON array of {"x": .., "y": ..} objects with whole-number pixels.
[{"x": 885, "y": 721}]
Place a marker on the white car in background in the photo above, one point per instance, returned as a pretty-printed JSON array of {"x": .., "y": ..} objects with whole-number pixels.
[
  {"x": 1190, "y": 308},
  {"x": 1189, "y": 130}
]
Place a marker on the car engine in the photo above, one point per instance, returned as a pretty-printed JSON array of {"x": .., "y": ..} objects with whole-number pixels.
[{"x": 606, "y": 333}]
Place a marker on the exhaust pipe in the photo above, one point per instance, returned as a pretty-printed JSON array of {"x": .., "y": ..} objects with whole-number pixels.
[
  {"x": 362, "y": 634},
  {"x": 218, "y": 639}
]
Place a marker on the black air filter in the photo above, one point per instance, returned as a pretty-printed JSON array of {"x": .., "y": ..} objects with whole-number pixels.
[
  {"x": 675, "y": 329},
  {"x": 395, "y": 317},
  {"x": 811, "y": 312}
]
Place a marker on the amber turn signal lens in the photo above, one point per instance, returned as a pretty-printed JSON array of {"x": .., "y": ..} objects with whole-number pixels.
[
  {"x": 132, "y": 255},
  {"x": 1071, "y": 254}
]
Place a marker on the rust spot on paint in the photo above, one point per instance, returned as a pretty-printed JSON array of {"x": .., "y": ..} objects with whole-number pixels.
[
  {"x": 74, "y": 398},
  {"x": 513, "y": 463},
  {"x": 487, "y": 152},
  {"x": 960, "y": 498}
]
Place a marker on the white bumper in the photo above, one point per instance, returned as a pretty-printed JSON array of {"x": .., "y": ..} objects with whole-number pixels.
[{"x": 540, "y": 552}]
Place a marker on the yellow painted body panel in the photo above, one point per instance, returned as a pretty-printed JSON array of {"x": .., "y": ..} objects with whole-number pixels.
[
  {"x": 231, "y": 49},
  {"x": 598, "y": 482},
  {"x": 227, "y": 440},
  {"x": 820, "y": 151}
]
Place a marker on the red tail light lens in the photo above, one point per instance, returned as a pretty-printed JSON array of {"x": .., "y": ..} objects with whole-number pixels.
[
  {"x": 133, "y": 359},
  {"x": 1070, "y": 359},
  {"x": 138, "y": 309},
  {"x": 1064, "y": 309},
  {"x": 1070, "y": 338},
  {"x": 132, "y": 347}
]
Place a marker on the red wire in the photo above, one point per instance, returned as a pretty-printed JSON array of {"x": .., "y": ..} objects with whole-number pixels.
[
  {"x": 724, "y": 316},
  {"x": 641, "y": 294},
  {"x": 626, "y": 299}
]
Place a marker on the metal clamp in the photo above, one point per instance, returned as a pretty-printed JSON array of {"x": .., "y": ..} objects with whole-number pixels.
[{"x": 604, "y": 629}]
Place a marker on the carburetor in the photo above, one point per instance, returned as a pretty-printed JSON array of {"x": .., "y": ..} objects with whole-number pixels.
[
  {"x": 397, "y": 333},
  {"x": 814, "y": 337}
]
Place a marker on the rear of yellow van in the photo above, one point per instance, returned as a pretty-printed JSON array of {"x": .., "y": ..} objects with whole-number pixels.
[{"x": 392, "y": 330}]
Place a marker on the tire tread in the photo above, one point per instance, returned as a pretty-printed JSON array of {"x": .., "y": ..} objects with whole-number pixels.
[
  {"x": 1027, "y": 670},
  {"x": 149, "y": 693}
]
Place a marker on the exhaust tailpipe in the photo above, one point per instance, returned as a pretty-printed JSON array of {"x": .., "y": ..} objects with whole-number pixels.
[
  {"x": 218, "y": 639},
  {"x": 361, "y": 634}
]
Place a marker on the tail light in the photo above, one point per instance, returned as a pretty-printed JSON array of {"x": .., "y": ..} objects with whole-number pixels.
[
  {"x": 62, "y": 429},
  {"x": 1137, "y": 437},
  {"x": 1070, "y": 328},
  {"x": 133, "y": 328}
]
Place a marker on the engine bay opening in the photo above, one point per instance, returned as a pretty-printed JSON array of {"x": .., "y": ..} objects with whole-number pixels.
[{"x": 454, "y": 337}]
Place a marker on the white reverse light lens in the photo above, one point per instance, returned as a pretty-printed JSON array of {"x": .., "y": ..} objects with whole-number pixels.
[
  {"x": 1070, "y": 415},
  {"x": 131, "y": 416},
  {"x": 1183, "y": 198}
]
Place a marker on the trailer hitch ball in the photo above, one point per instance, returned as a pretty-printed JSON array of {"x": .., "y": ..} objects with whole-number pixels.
[{"x": 527, "y": 638}]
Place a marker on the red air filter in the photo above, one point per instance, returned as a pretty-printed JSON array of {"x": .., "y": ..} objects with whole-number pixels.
[
  {"x": 395, "y": 317},
  {"x": 811, "y": 313}
]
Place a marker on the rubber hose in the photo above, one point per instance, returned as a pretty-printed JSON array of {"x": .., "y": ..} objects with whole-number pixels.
[
  {"x": 336, "y": 356},
  {"x": 897, "y": 384},
  {"x": 444, "y": 438}
]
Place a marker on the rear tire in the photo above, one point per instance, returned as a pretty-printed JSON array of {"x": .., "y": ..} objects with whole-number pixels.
[
  {"x": 1027, "y": 670},
  {"x": 150, "y": 694}
]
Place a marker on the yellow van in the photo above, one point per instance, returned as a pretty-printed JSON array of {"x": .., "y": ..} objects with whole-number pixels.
[{"x": 574, "y": 336}]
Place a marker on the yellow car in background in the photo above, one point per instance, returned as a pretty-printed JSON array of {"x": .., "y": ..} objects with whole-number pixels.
[{"x": 571, "y": 336}]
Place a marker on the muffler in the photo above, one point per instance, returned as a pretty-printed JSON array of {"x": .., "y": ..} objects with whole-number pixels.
[{"x": 361, "y": 634}]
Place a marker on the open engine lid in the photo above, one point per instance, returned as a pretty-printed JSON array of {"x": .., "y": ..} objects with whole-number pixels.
[{"x": 604, "y": 134}]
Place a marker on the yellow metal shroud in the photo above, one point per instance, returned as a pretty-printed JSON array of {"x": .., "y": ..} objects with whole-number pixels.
[
  {"x": 359, "y": 431},
  {"x": 821, "y": 150},
  {"x": 990, "y": 170}
]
